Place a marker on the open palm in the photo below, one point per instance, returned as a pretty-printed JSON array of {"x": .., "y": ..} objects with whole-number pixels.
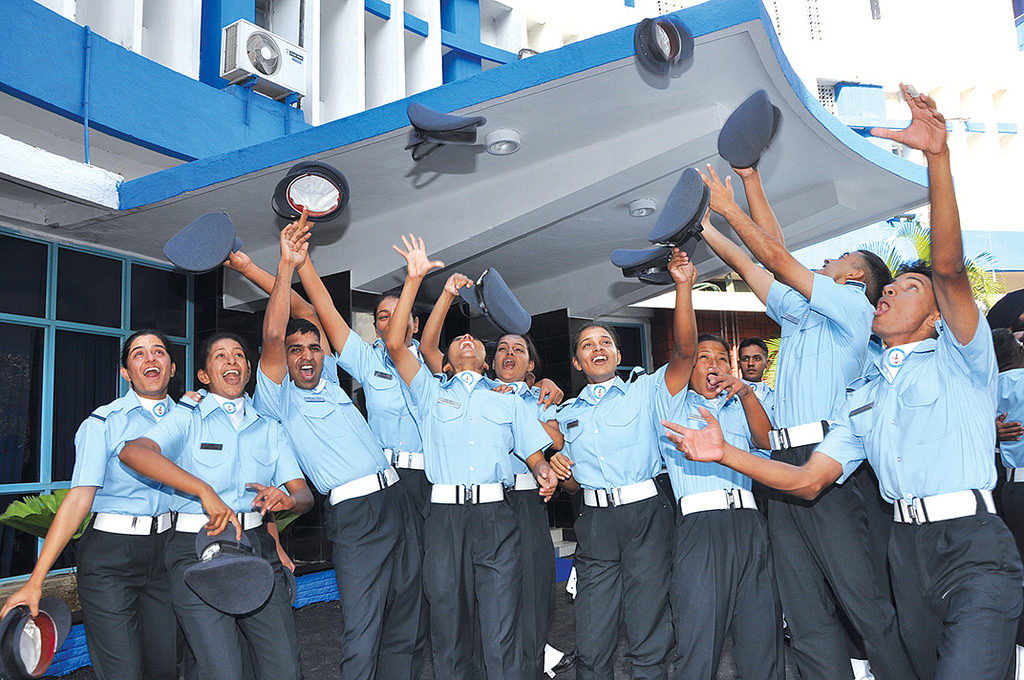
[
  {"x": 927, "y": 129},
  {"x": 415, "y": 253},
  {"x": 706, "y": 445}
]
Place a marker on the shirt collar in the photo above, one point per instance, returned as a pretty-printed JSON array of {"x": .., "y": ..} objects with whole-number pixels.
[
  {"x": 415, "y": 347},
  {"x": 859, "y": 285},
  {"x": 468, "y": 378},
  {"x": 588, "y": 394}
]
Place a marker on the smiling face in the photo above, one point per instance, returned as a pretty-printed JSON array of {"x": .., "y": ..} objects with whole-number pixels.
[
  {"x": 712, "y": 361},
  {"x": 305, "y": 359},
  {"x": 596, "y": 354},
  {"x": 466, "y": 353},
  {"x": 512, "y": 359},
  {"x": 226, "y": 370},
  {"x": 753, "y": 363},
  {"x": 907, "y": 310},
  {"x": 148, "y": 368},
  {"x": 382, "y": 318}
]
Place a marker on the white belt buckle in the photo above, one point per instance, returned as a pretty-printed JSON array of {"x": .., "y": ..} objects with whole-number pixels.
[
  {"x": 470, "y": 494},
  {"x": 733, "y": 499},
  {"x": 614, "y": 497},
  {"x": 382, "y": 479}
]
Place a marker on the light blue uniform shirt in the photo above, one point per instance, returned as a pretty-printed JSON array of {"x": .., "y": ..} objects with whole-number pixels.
[
  {"x": 688, "y": 476},
  {"x": 823, "y": 347},
  {"x": 529, "y": 395},
  {"x": 765, "y": 395},
  {"x": 472, "y": 436},
  {"x": 931, "y": 430},
  {"x": 98, "y": 440},
  {"x": 203, "y": 441},
  {"x": 332, "y": 441},
  {"x": 1011, "y": 401},
  {"x": 613, "y": 441},
  {"x": 388, "y": 412}
]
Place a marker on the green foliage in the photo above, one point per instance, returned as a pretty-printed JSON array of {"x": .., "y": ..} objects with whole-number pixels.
[
  {"x": 773, "y": 354},
  {"x": 913, "y": 236},
  {"x": 284, "y": 519},
  {"x": 34, "y": 514}
]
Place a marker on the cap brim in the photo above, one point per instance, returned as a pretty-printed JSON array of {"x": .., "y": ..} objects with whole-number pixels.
[
  {"x": 233, "y": 584},
  {"x": 749, "y": 131},
  {"x": 503, "y": 308},
  {"x": 443, "y": 127},
  {"x": 684, "y": 207},
  {"x": 288, "y": 203},
  {"x": 204, "y": 244},
  {"x": 1007, "y": 312}
]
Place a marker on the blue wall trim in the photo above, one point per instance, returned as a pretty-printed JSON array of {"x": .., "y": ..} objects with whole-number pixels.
[
  {"x": 496, "y": 82},
  {"x": 131, "y": 97},
  {"x": 974, "y": 126},
  {"x": 216, "y": 15},
  {"x": 475, "y": 48},
  {"x": 1006, "y": 128},
  {"x": 379, "y": 8},
  {"x": 416, "y": 25}
]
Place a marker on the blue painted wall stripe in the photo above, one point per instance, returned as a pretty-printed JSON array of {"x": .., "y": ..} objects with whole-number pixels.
[
  {"x": 216, "y": 15},
  {"x": 496, "y": 82},
  {"x": 131, "y": 97},
  {"x": 379, "y": 8},
  {"x": 460, "y": 22},
  {"x": 416, "y": 25},
  {"x": 475, "y": 48}
]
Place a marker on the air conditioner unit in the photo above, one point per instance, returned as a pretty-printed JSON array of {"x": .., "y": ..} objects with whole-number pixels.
[{"x": 248, "y": 50}]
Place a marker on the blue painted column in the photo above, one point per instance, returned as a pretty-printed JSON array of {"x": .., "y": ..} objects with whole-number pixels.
[
  {"x": 461, "y": 17},
  {"x": 216, "y": 15}
]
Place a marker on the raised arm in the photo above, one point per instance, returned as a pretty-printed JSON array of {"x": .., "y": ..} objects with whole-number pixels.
[
  {"x": 684, "y": 323},
  {"x": 758, "y": 278},
  {"x": 418, "y": 265},
  {"x": 430, "y": 341},
  {"x": 294, "y": 246},
  {"x": 771, "y": 253},
  {"x": 760, "y": 210},
  {"x": 927, "y": 133},
  {"x": 70, "y": 515},
  {"x": 708, "y": 445}
]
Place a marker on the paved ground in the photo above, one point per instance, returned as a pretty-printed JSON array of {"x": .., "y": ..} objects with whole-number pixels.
[{"x": 319, "y": 626}]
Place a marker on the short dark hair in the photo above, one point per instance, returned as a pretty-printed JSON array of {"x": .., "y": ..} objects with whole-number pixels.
[
  {"x": 208, "y": 342},
  {"x": 1008, "y": 350},
  {"x": 711, "y": 337},
  {"x": 135, "y": 336},
  {"x": 531, "y": 351},
  {"x": 919, "y": 267},
  {"x": 753, "y": 341},
  {"x": 301, "y": 326},
  {"x": 607, "y": 327},
  {"x": 876, "y": 277},
  {"x": 394, "y": 293}
]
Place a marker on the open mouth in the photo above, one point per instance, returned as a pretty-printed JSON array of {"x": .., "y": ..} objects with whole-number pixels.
[
  {"x": 466, "y": 344},
  {"x": 152, "y": 372},
  {"x": 306, "y": 371},
  {"x": 882, "y": 308},
  {"x": 232, "y": 376},
  {"x": 599, "y": 359},
  {"x": 508, "y": 364}
]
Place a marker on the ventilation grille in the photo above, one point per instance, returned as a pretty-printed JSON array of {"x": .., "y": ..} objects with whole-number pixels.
[
  {"x": 827, "y": 97},
  {"x": 814, "y": 19},
  {"x": 666, "y": 6},
  {"x": 230, "y": 48}
]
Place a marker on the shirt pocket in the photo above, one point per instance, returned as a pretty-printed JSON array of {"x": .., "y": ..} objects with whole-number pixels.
[
  {"x": 209, "y": 458},
  {"x": 622, "y": 417},
  {"x": 922, "y": 417},
  {"x": 263, "y": 464}
]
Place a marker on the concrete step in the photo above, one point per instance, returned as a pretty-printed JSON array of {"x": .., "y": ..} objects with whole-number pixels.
[{"x": 565, "y": 546}]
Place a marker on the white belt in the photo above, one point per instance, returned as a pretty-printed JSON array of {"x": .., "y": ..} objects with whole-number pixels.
[
  {"x": 943, "y": 506},
  {"x": 623, "y": 495},
  {"x": 1015, "y": 474},
  {"x": 722, "y": 499},
  {"x": 191, "y": 523},
  {"x": 131, "y": 525},
  {"x": 470, "y": 494},
  {"x": 363, "y": 486},
  {"x": 526, "y": 482},
  {"x": 407, "y": 460},
  {"x": 798, "y": 435}
]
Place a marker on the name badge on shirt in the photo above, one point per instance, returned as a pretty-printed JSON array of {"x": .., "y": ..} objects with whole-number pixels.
[
  {"x": 862, "y": 409},
  {"x": 315, "y": 398},
  {"x": 382, "y": 374},
  {"x": 208, "y": 446},
  {"x": 442, "y": 400},
  {"x": 698, "y": 417},
  {"x": 791, "y": 319},
  {"x": 571, "y": 424}
]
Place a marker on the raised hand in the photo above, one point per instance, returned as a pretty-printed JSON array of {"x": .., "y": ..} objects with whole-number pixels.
[
  {"x": 707, "y": 445},
  {"x": 721, "y": 196},
  {"x": 238, "y": 261},
  {"x": 295, "y": 241},
  {"x": 415, "y": 254},
  {"x": 745, "y": 173},
  {"x": 550, "y": 393},
  {"x": 927, "y": 129},
  {"x": 681, "y": 268},
  {"x": 730, "y": 384},
  {"x": 455, "y": 282}
]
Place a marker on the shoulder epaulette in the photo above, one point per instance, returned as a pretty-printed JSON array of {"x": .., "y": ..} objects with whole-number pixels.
[
  {"x": 98, "y": 417},
  {"x": 189, "y": 406},
  {"x": 636, "y": 373}
]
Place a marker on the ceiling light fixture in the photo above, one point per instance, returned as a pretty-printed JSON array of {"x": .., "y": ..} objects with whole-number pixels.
[
  {"x": 642, "y": 207},
  {"x": 502, "y": 142}
]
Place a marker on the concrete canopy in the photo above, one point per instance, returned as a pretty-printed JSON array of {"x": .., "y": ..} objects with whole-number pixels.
[{"x": 596, "y": 133}]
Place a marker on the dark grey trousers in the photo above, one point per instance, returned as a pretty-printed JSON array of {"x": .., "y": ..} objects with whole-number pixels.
[
  {"x": 380, "y": 601},
  {"x": 623, "y": 564},
  {"x": 472, "y": 575},
  {"x": 214, "y": 636},
  {"x": 538, "y": 556},
  {"x": 126, "y": 606},
  {"x": 723, "y": 583},
  {"x": 829, "y": 558},
  {"x": 410, "y": 573},
  {"x": 958, "y": 592},
  {"x": 1013, "y": 515}
]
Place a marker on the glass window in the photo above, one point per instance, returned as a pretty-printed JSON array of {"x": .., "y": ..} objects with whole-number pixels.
[
  {"x": 88, "y": 288},
  {"x": 17, "y": 549},
  {"x": 22, "y": 276},
  {"x": 177, "y": 385},
  {"x": 158, "y": 300},
  {"x": 631, "y": 345},
  {"x": 85, "y": 375},
  {"x": 21, "y": 388}
]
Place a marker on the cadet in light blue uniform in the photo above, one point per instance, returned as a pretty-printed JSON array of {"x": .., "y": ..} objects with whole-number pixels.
[
  {"x": 472, "y": 562},
  {"x": 227, "y": 462},
  {"x": 829, "y": 553},
  {"x": 723, "y": 579},
  {"x": 366, "y": 513},
  {"x": 514, "y": 357},
  {"x": 922, "y": 417},
  {"x": 624, "y": 533},
  {"x": 1010, "y": 359},
  {"x": 122, "y": 580}
]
